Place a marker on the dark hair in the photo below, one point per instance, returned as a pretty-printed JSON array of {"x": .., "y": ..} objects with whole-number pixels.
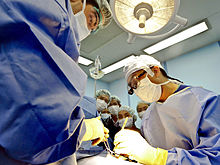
[
  {"x": 92, "y": 2},
  {"x": 165, "y": 74}
]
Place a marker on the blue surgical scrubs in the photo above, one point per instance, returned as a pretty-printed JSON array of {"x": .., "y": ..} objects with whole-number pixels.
[
  {"x": 187, "y": 125},
  {"x": 41, "y": 84}
]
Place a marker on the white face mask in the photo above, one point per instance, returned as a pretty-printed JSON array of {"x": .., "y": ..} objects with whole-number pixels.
[
  {"x": 81, "y": 24},
  {"x": 105, "y": 116},
  {"x": 100, "y": 105},
  {"x": 141, "y": 114},
  {"x": 113, "y": 109},
  {"x": 129, "y": 123},
  {"x": 148, "y": 91}
]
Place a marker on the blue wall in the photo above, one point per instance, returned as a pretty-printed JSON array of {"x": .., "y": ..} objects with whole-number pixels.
[
  {"x": 119, "y": 88},
  {"x": 198, "y": 68},
  {"x": 90, "y": 86}
]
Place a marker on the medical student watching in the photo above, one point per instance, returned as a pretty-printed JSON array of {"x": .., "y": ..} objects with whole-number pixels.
[
  {"x": 41, "y": 84},
  {"x": 106, "y": 117},
  {"x": 141, "y": 108},
  {"x": 110, "y": 115},
  {"x": 109, "y": 124},
  {"x": 182, "y": 124},
  {"x": 102, "y": 99},
  {"x": 126, "y": 111},
  {"x": 114, "y": 106}
]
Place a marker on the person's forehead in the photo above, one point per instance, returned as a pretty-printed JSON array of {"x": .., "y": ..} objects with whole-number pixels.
[
  {"x": 105, "y": 111},
  {"x": 124, "y": 112},
  {"x": 103, "y": 96},
  {"x": 114, "y": 101},
  {"x": 142, "y": 104}
]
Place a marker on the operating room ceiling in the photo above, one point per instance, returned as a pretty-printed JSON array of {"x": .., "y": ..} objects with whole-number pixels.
[{"x": 111, "y": 45}]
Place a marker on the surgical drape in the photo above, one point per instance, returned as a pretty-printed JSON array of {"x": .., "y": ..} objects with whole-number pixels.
[
  {"x": 187, "y": 125},
  {"x": 40, "y": 121}
]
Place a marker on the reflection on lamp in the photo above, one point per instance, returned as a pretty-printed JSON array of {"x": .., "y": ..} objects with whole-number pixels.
[
  {"x": 132, "y": 13},
  {"x": 147, "y": 18}
]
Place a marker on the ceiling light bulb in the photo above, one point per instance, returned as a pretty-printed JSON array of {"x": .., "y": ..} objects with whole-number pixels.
[{"x": 143, "y": 12}]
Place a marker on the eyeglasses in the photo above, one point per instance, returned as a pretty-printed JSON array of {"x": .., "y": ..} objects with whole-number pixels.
[{"x": 130, "y": 87}]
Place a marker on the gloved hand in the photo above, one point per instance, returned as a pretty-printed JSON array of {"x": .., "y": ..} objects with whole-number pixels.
[
  {"x": 95, "y": 131},
  {"x": 133, "y": 144}
]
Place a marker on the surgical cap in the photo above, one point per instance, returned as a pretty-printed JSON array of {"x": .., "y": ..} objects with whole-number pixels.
[
  {"x": 115, "y": 97},
  {"x": 143, "y": 102},
  {"x": 128, "y": 109},
  {"x": 141, "y": 62},
  {"x": 102, "y": 92}
]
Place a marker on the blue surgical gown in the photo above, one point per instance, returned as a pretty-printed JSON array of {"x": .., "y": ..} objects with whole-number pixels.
[
  {"x": 187, "y": 124},
  {"x": 86, "y": 149},
  {"x": 40, "y": 120}
]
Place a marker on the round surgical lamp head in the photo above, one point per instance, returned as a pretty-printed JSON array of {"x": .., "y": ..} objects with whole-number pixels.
[{"x": 147, "y": 18}]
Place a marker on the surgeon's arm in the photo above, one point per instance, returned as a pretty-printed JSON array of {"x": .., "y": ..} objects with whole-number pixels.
[{"x": 208, "y": 150}]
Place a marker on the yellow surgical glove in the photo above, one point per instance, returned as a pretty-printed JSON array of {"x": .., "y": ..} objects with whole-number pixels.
[
  {"x": 133, "y": 144},
  {"x": 95, "y": 131}
]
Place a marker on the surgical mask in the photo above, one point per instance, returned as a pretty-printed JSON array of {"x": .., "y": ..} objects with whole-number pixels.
[
  {"x": 141, "y": 114},
  {"x": 81, "y": 24},
  {"x": 129, "y": 123},
  {"x": 101, "y": 105},
  {"x": 148, "y": 91},
  {"x": 105, "y": 116},
  {"x": 113, "y": 109}
]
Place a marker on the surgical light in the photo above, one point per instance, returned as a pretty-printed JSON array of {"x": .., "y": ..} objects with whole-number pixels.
[
  {"x": 117, "y": 65},
  {"x": 190, "y": 32},
  {"x": 147, "y": 18},
  {"x": 84, "y": 61}
]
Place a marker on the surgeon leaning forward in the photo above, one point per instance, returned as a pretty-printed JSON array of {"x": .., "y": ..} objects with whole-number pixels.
[
  {"x": 41, "y": 84},
  {"x": 182, "y": 124}
]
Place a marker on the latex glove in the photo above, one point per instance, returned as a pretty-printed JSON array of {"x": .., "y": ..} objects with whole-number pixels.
[
  {"x": 136, "y": 147},
  {"x": 95, "y": 131}
]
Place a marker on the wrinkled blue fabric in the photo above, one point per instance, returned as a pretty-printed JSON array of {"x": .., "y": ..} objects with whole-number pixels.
[
  {"x": 40, "y": 120},
  {"x": 187, "y": 125},
  {"x": 88, "y": 105}
]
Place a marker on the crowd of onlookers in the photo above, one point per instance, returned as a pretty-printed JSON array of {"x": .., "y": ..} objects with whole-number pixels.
[{"x": 113, "y": 114}]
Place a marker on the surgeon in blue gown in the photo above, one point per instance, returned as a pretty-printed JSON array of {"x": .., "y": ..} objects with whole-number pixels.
[
  {"x": 182, "y": 124},
  {"x": 41, "y": 84}
]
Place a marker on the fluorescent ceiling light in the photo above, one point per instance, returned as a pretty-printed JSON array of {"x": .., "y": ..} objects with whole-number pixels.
[
  {"x": 192, "y": 31},
  {"x": 84, "y": 61},
  {"x": 117, "y": 65}
]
